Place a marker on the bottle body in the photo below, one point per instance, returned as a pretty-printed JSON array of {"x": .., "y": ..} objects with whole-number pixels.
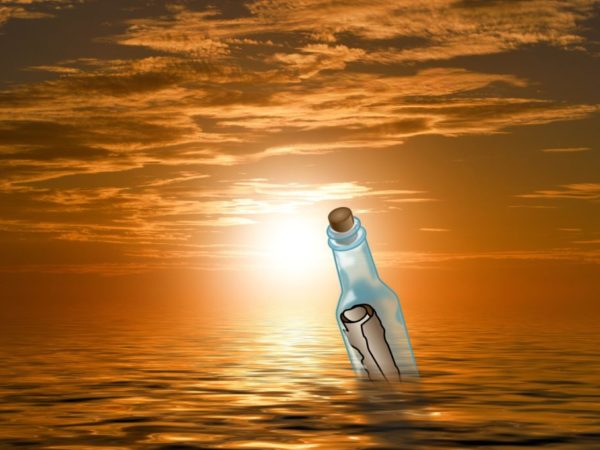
[{"x": 362, "y": 289}]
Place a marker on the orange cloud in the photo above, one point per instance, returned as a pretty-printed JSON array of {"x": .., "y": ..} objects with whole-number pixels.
[
  {"x": 18, "y": 12},
  {"x": 578, "y": 191},
  {"x": 445, "y": 28},
  {"x": 424, "y": 260},
  {"x": 32, "y": 9},
  {"x": 566, "y": 149},
  {"x": 156, "y": 153}
]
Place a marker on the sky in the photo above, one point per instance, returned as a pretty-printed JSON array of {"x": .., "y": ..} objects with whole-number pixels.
[{"x": 154, "y": 153}]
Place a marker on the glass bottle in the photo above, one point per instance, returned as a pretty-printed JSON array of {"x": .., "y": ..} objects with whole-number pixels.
[{"x": 368, "y": 313}]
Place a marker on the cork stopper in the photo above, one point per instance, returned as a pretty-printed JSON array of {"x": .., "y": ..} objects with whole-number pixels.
[{"x": 341, "y": 219}]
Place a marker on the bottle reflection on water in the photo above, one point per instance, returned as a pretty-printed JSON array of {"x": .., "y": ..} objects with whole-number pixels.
[{"x": 368, "y": 312}]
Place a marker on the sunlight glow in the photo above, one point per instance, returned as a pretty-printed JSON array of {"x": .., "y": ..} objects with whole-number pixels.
[{"x": 294, "y": 245}]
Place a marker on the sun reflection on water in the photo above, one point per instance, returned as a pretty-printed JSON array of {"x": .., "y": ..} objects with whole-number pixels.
[{"x": 287, "y": 384}]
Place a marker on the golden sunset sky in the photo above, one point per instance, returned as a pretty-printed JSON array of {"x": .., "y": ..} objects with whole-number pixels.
[{"x": 154, "y": 154}]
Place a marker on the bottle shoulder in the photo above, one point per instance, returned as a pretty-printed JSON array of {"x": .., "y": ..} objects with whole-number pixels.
[{"x": 371, "y": 292}]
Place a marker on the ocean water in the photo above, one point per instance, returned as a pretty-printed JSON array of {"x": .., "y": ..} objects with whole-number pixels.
[{"x": 210, "y": 383}]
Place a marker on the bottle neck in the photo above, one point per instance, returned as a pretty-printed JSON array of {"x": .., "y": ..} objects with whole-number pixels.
[{"x": 352, "y": 255}]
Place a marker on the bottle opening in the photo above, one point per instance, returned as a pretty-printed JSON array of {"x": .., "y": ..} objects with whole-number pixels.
[{"x": 351, "y": 236}]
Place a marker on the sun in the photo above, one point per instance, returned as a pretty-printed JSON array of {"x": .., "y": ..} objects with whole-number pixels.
[{"x": 293, "y": 244}]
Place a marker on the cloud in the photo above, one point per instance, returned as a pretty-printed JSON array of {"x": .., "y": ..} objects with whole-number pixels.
[
  {"x": 443, "y": 28},
  {"x": 412, "y": 200},
  {"x": 261, "y": 196},
  {"x": 18, "y": 12},
  {"x": 104, "y": 269},
  {"x": 315, "y": 58},
  {"x": 155, "y": 152},
  {"x": 566, "y": 149},
  {"x": 533, "y": 206},
  {"x": 436, "y": 30},
  {"x": 427, "y": 260},
  {"x": 577, "y": 191},
  {"x": 226, "y": 257},
  {"x": 31, "y": 9},
  {"x": 164, "y": 212},
  {"x": 439, "y": 20},
  {"x": 312, "y": 193},
  {"x": 124, "y": 114},
  {"x": 183, "y": 31}
]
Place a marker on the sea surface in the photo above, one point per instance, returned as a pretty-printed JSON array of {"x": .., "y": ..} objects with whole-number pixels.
[{"x": 216, "y": 383}]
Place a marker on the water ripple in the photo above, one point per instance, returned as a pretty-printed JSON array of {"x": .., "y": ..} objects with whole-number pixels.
[{"x": 281, "y": 387}]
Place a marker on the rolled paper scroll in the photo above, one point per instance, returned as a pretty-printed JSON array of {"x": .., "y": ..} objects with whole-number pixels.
[{"x": 366, "y": 335}]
